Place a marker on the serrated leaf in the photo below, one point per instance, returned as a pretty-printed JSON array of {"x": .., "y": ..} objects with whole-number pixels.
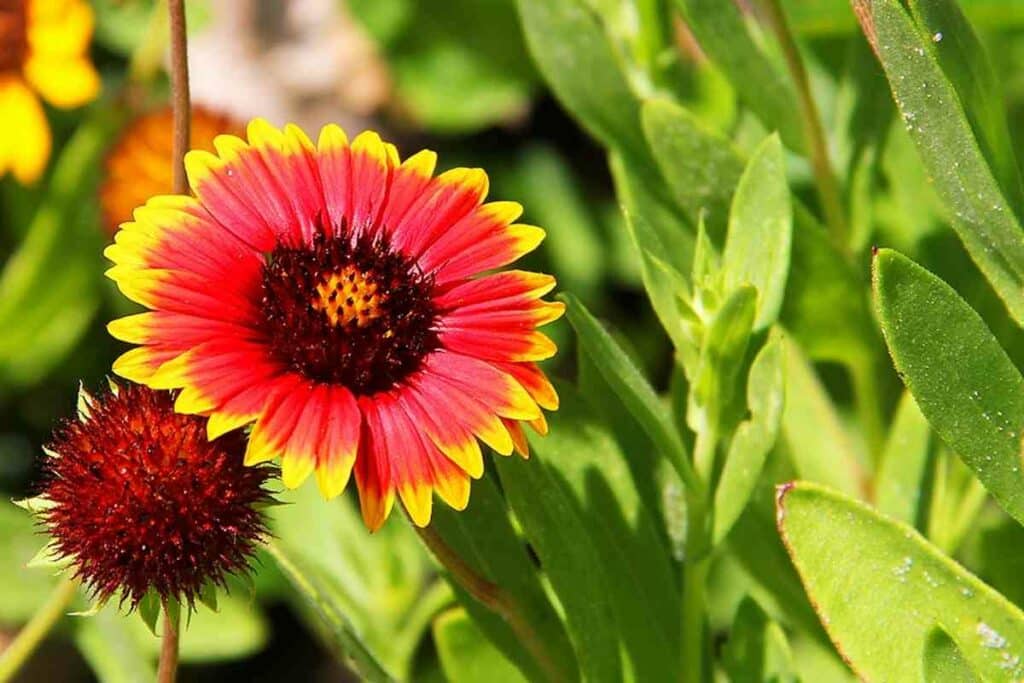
[
  {"x": 760, "y": 228},
  {"x": 935, "y": 118},
  {"x": 753, "y": 439},
  {"x": 961, "y": 378},
  {"x": 857, "y": 565}
]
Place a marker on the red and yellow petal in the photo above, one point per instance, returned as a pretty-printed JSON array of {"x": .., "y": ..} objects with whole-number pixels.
[
  {"x": 337, "y": 450},
  {"x": 372, "y": 469},
  {"x": 446, "y": 200}
]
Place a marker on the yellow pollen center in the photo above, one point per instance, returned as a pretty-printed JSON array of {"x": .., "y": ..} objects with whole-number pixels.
[{"x": 349, "y": 296}]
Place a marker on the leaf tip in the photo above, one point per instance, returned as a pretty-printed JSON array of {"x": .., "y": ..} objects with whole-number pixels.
[{"x": 780, "y": 502}]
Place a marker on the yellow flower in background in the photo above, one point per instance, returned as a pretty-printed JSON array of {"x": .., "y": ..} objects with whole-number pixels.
[{"x": 44, "y": 48}]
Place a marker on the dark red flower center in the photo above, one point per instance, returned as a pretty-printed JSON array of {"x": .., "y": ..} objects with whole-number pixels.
[
  {"x": 13, "y": 35},
  {"x": 348, "y": 311},
  {"x": 144, "y": 501}
]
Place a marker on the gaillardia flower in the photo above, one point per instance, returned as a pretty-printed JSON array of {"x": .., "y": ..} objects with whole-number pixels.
[
  {"x": 137, "y": 499},
  {"x": 342, "y": 300},
  {"x": 139, "y": 165},
  {"x": 44, "y": 47}
]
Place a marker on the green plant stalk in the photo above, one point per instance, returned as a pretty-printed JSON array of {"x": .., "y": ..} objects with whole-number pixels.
[
  {"x": 494, "y": 598},
  {"x": 825, "y": 179},
  {"x": 29, "y": 638},
  {"x": 868, "y": 399},
  {"x": 695, "y": 572},
  {"x": 653, "y": 37}
]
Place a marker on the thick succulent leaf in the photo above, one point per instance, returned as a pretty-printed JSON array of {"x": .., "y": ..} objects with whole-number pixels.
[
  {"x": 935, "y": 118},
  {"x": 943, "y": 660},
  {"x": 861, "y": 570},
  {"x": 961, "y": 378}
]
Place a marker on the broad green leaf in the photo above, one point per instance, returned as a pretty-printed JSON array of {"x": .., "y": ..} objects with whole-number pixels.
[
  {"x": 760, "y": 232},
  {"x": 577, "y": 59},
  {"x": 757, "y": 649},
  {"x": 816, "y": 439},
  {"x": 857, "y": 565},
  {"x": 725, "y": 37},
  {"x": 943, "y": 660},
  {"x": 753, "y": 439},
  {"x": 900, "y": 479},
  {"x": 484, "y": 537},
  {"x": 966, "y": 65},
  {"x": 931, "y": 108},
  {"x": 631, "y": 387},
  {"x": 466, "y": 655},
  {"x": 343, "y": 636},
  {"x": 580, "y": 493},
  {"x": 964, "y": 383}
]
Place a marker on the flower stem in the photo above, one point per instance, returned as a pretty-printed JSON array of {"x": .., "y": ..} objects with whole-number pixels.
[
  {"x": 179, "y": 92},
  {"x": 695, "y": 573},
  {"x": 167, "y": 671},
  {"x": 29, "y": 638},
  {"x": 827, "y": 185},
  {"x": 494, "y": 598}
]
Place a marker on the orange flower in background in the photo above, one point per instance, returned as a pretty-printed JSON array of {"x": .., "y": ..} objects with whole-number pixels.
[
  {"x": 342, "y": 300},
  {"x": 44, "y": 47},
  {"x": 139, "y": 165}
]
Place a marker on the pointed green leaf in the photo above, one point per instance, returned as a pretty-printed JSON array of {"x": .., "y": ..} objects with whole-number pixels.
[
  {"x": 149, "y": 611},
  {"x": 932, "y": 110},
  {"x": 760, "y": 229},
  {"x": 861, "y": 570},
  {"x": 466, "y": 655},
  {"x": 963, "y": 381},
  {"x": 753, "y": 439},
  {"x": 633, "y": 390},
  {"x": 900, "y": 478}
]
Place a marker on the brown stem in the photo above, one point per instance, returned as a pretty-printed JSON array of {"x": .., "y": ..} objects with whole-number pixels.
[
  {"x": 167, "y": 672},
  {"x": 827, "y": 185},
  {"x": 491, "y": 596},
  {"x": 179, "y": 92}
]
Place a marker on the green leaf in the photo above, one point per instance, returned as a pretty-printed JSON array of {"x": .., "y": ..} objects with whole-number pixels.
[
  {"x": 817, "y": 442},
  {"x": 631, "y": 387},
  {"x": 483, "y": 536},
  {"x": 757, "y": 649},
  {"x": 943, "y": 660},
  {"x": 857, "y": 565},
  {"x": 900, "y": 479},
  {"x": 237, "y": 629},
  {"x": 725, "y": 345},
  {"x": 760, "y": 232},
  {"x": 581, "y": 511},
  {"x": 966, "y": 65},
  {"x": 753, "y": 439},
  {"x": 466, "y": 656},
  {"x": 572, "y": 51},
  {"x": 964, "y": 383},
  {"x": 725, "y": 37},
  {"x": 340, "y": 629},
  {"x": 931, "y": 108}
]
